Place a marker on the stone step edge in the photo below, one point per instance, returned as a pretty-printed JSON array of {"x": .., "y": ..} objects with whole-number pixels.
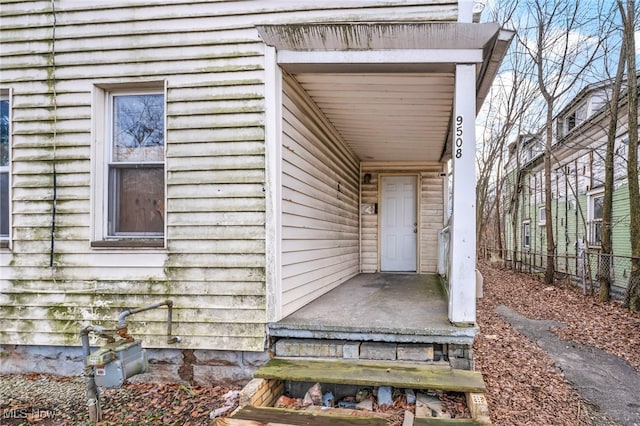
[{"x": 373, "y": 373}]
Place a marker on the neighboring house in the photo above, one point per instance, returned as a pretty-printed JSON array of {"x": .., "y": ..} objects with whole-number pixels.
[
  {"x": 577, "y": 187},
  {"x": 237, "y": 157}
]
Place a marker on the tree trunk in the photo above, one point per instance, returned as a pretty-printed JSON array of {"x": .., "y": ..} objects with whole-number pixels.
[
  {"x": 605, "y": 260},
  {"x": 632, "y": 294},
  {"x": 514, "y": 203},
  {"x": 499, "y": 227},
  {"x": 549, "y": 272}
]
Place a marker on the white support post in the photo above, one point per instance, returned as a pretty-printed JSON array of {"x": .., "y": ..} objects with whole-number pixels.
[
  {"x": 462, "y": 275},
  {"x": 465, "y": 11},
  {"x": 273, "y": 153}
]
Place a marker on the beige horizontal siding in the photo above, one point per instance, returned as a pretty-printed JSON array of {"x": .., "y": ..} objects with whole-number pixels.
[
  {"x": 211, "y": 58},
  {"x": 319, "y": 203}
]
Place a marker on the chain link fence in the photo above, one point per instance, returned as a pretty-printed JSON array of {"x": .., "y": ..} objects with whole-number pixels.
[{"x": 584, "y": 269}]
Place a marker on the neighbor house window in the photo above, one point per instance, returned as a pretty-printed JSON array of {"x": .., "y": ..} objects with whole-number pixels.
[
  {"x": 576, "y": 118},
  {"x": 4, "y": 164},
  {"x": 542, "y": 216},
  {"x": 526, "y": 234},
  {"x": 130, "y": 170},
  {"x": 594, "y": 212}
]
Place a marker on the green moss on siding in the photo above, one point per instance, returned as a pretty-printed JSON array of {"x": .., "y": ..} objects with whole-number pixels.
[
  {"x": 231, "y": 68},
  {"x": 258, "y": 273},
  {"x": 9, "y": 311},
  {"x": 160, "y": 287}
]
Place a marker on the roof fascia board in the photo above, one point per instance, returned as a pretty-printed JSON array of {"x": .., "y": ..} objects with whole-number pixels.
[
  {"x": 396, "y": 56},
  {"x": 377, "y": 36}
]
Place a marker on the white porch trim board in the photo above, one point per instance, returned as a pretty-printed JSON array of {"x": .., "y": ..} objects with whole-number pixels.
[
  {"x": 365, "y": 57},
  {"x": 273, "y": 177},
  {"x": 462, "y": 281}
]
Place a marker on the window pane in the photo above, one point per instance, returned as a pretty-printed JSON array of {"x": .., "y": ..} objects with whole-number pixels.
[
  {"x": 4, "y": 204},
  {"x": 136, "y": 201},
  {"x": 4, "y": 163},
  {"x": 4, "y": 132},
  {"x": 597, "y": 207},
  {"x": 526, "y": 234},
  {"x": 138, "y": 128}
]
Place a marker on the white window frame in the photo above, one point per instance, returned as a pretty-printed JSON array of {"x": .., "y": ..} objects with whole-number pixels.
[
  {"x": 526, "y": 224},
  {"x": 576, "y": 117},
  {"x": 542, "y": 216},
  {"x": 102, "y": 119},
  {"x": 592, "y": 222},
  {"x": 5, "y": 240}
]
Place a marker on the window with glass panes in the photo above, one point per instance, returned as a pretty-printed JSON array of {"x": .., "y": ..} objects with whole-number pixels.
[
  {"x": 4, "y": 164},
  {"x": 135, "y": 165}
]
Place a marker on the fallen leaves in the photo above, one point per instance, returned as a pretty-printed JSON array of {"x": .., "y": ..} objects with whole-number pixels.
[
  {"x": 523, "y": 385},
  {"x": 178, "y": 404}
]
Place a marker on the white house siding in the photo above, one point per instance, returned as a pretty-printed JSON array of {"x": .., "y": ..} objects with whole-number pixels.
[
  {"x": 320, "y": 247},
  {"x": 211, "y": 59},
  {"x": 430, "y": 204}
]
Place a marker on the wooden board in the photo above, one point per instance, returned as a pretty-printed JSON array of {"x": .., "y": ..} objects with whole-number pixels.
[
  {"x": 261, "y": 416},
  {"x": 364, "y": 373},
  {"x": 434, "y": 421}
]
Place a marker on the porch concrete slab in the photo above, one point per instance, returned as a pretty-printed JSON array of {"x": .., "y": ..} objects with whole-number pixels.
[{"x": 386, "y": 307}]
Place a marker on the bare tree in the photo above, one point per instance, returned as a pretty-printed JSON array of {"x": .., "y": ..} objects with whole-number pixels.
[
  {"x": 604, "y": 276},
  {"x": 632, "y": 293},
  {"x": 513, "y": 197},
  {"x": 554, "y": 36},
  {"x": 508, "y": 102}
]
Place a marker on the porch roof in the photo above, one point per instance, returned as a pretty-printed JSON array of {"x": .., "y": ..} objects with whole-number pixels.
[{"x": 388, "y": 88}]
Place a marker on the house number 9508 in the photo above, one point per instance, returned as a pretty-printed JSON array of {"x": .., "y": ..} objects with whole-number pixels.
[{"x": 459, "y": 132}]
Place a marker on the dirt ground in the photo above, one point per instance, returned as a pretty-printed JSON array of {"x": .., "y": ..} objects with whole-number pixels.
[{"x": 524, "y": 387}]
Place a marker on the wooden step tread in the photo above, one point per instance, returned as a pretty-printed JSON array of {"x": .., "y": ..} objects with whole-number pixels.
[
  {"x": 262, "y": 416},
  {"x": 435, "y": 421},
  {"x": 376, "y": 373}
]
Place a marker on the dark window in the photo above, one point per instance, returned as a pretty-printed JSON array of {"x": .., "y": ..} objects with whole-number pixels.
[
  {"x": 136, "y": 166},
  {"x": 526, "y": 234},
  {"x": 4, "y": 166},
  {"x": 595, "y": 225}
]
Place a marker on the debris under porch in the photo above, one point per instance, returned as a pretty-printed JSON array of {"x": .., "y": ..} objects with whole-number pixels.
[{"x": 336, "y": 392}]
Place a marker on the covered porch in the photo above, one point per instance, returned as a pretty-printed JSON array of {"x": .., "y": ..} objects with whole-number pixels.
[
  {"x": 379, "y": 307},
  {"x": 362, "y": 123}
]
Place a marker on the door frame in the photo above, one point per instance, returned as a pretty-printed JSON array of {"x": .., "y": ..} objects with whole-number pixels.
[{"x": 418, "y": 207}]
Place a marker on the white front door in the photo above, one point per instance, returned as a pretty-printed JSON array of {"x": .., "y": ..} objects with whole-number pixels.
[{"x": 399, "y": 226}]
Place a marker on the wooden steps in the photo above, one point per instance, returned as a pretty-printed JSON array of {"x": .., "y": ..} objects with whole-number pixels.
[
  {"x": 269, "y": 380},
  {"x": 374, "y": 373},
  {"x": 434, "y": 421},
  {"x": 252, "y": 416},
  {"x": 259, "y": 416}
]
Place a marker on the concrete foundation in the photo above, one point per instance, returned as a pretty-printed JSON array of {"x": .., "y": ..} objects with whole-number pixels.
[{"x": 198, "y": 367}]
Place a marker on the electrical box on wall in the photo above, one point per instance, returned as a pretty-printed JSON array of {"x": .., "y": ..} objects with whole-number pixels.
[{"x": 369, "y": 208}]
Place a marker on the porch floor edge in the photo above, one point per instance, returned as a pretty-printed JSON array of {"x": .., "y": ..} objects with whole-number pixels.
[
  {"x": 383, "y": 307},
  {"x": 463, "y": 336}
]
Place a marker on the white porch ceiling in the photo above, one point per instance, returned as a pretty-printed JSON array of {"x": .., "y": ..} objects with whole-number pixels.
[
  {"x": 386, "y": 116},
  {"x": 388, "y": 88}
]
